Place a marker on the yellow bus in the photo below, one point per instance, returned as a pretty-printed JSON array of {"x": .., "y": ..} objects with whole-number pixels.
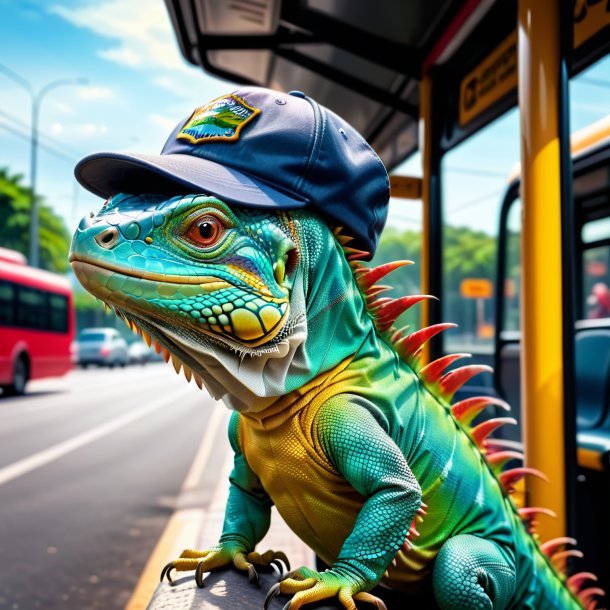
[{"x": 453, "y": 92}]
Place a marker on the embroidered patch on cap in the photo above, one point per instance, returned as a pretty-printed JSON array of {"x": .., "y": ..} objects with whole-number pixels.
[{"x": 221, "y": 119}]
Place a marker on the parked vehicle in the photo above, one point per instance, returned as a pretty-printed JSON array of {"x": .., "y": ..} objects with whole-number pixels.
[
  {"x": 102, "y": 346},
  {"x": 139, "y": 353},
  {"x": 36, "y": 323}
]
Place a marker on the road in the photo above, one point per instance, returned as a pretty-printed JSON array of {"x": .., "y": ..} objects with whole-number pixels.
[{"x": 90, "y": 469}]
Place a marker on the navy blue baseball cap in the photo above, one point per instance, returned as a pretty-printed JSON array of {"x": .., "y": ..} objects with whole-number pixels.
[{"x": 263, "y": 149}]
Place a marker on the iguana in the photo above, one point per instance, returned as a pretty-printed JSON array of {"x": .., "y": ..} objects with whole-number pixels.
[{"x": 336, "y": 421}]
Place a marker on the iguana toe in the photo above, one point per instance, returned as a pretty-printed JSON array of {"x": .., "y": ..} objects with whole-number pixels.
[{"x": 308, "y": 586}]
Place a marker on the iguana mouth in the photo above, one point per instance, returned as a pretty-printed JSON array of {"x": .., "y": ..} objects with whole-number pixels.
[{"x": 252, "y": 321}]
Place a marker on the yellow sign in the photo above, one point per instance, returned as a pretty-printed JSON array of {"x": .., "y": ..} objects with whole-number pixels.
[
  {"x": 489, "y": 81},
  {"x": 590, "y": 17},
  {"x": 405, "y": 187},
  {"x": 497, "y": 74},
  {"x": 476, "y": 288}
]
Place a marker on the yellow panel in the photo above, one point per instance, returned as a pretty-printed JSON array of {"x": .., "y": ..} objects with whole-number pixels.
[
  {"x": 405, "y": 187},
  {"x": 587, "y": 458},
  {"x": 589, "y": 19},
  {"x": 494, "y": 77},
  {"x": 542, "y": 347}
]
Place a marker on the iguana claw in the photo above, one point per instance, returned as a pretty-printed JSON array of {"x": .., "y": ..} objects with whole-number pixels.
[
  {"x": 253, "y": 576},
  {"x": 280, "y": 567},
  {"x": 167, "y": 571},
  {"x": 271, "y": 595},
  {"x": 199, "y": 574}
]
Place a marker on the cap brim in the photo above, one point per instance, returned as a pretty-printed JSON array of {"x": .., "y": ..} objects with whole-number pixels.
[{"x": 106, "y": 174}]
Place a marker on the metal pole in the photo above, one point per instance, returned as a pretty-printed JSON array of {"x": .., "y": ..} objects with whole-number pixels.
[
  {"x": 546, "y": 314},
  {"x": 36, "y": 101},
  {"x": 35, "y": 212}
]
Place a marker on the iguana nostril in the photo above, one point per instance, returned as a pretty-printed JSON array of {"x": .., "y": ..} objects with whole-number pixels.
[{"x": 108, "y": 237}]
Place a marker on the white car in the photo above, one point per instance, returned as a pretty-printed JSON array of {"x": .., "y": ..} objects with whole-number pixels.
[{"x": 102, "y": 346}]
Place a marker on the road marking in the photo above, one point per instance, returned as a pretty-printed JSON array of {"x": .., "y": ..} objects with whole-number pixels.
[
  {"x": 46, "y": 456},
  {"x": 219, "y": 416},
  {"x": 184, "y": 526}
]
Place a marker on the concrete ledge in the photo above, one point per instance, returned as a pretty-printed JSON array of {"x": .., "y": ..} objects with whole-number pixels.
[{"x": 225, "y": 589}]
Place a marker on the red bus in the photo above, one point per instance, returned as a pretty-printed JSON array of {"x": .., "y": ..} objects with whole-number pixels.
[{"x": 36, "y": 323}]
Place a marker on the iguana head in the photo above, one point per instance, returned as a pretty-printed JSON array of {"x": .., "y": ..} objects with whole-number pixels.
[
  {"x": 191, "y": 260},
  {"x": 255, "y": 297},
  {"x": 228, "y": 291}
]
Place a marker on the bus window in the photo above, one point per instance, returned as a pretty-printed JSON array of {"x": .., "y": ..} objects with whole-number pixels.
[
  {"x": 58, "y": 313},
  {"x": 590, "y": 95},
  {"x": 512, "y": 272},
  {"x": 595, "y": 269},
  {"x": 31, "y": 308},
  {"x": 7, "y": 304},
  {"x": 474, "y": 177}
]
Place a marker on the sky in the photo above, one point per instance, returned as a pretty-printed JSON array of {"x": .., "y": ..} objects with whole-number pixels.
[{"x": 139, "y": 87}]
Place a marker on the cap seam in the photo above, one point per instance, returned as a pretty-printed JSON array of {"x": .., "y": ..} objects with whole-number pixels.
[{"x": 319, "y": 125}]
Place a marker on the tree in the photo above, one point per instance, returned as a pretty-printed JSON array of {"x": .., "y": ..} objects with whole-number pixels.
[
  {"x": 15, "y": 212},
  {"x": 466, "y": 254}
]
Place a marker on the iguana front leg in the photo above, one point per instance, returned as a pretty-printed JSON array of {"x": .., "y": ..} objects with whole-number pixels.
[
  {"x": 363, "y": 453},
  {"x": 247, "y": 519}
]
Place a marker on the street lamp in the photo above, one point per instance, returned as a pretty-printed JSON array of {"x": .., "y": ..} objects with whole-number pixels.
[{"x": 36, "y": 103}]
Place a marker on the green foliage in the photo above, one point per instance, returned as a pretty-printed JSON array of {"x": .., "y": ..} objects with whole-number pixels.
[
  {"x": 15, "y": 210},
  {"x": 467, "y": 254}
]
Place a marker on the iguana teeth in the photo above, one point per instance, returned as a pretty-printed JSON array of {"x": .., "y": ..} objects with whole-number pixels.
[
  {"x": 166, "y": 354},
  {"x": 146, "y": 338},
  {"x": 187, "y": 372},
  {"x": 176, "y": 363},
  {"x": 198, "y": 381}
]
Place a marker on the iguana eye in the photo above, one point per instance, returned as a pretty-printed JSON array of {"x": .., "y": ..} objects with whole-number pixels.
[{"x": 206, "y": 231}]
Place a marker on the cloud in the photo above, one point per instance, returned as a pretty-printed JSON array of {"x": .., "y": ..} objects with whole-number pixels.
[
  {"x": 162, "y": 121},
  {"x": 141, "y": 30},
  {"x": 94, "y": 93}
]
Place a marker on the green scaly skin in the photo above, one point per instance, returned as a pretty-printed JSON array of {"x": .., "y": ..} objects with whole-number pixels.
[{"x": 270, "y": 318}]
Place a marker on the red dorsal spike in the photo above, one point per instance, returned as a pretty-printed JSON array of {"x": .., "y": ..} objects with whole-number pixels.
[
  {"x": 379, "y": 303},
  {"x": 367, "y": 277},
  {"x": 527, "y": 512},
  {"x": 549, "y": 547},
  {"x": 560, "y": 558},
  {"x": 432, "y": 372},
  {"x": 576, "y": 581},
  {"x": 499, "y": 459},
  {"x": 510, "y": 477},
  {"x": 387, "y": 313},
  {"x": 344, "y": 239},
  {"x": 355, "y": 254},
  {"x": 398, "y": 334},
  {"x": 483, "y": 430},
  {"x": 410, "y": 345},
  {"x": 373, "y": 291},
  {"x": 587, "y": 595},
  {"x": 452, "y": 381},
  {"x": 466, "y": 410}
]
